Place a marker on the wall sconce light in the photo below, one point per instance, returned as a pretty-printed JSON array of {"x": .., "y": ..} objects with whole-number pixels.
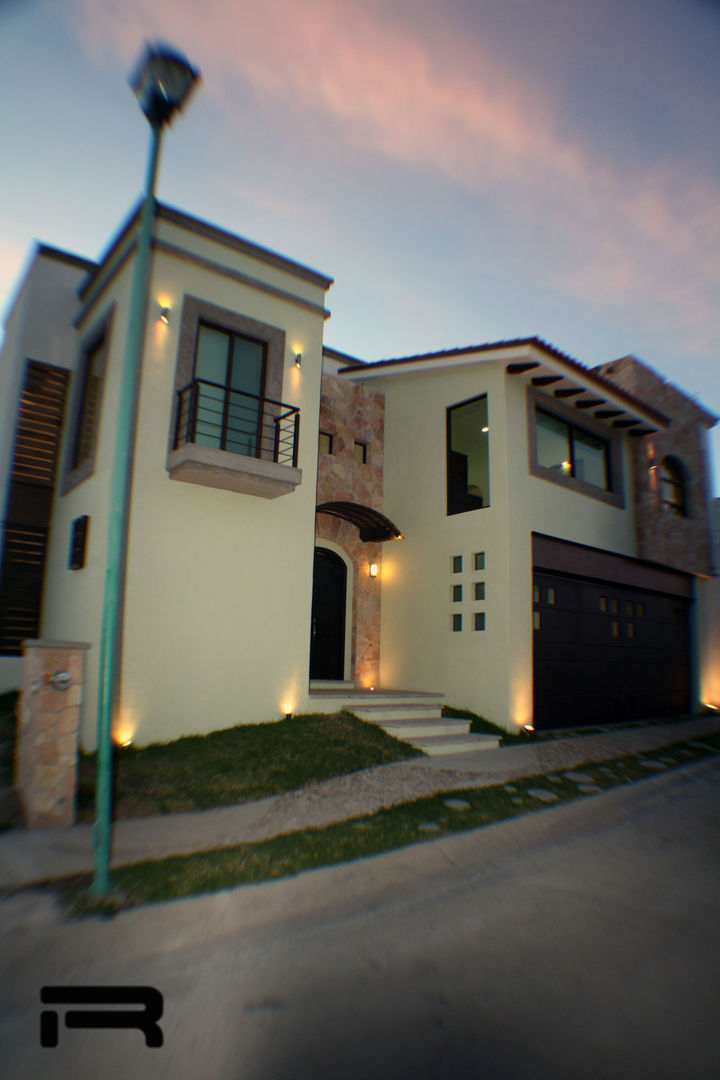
[
  {"x": 485, "y": 430},
  {"x": 298, "y": 360},
  {"x": 373, "y": 569},
  {"x": 287, "y": 716},
  {"x": 164, "y": 315}
]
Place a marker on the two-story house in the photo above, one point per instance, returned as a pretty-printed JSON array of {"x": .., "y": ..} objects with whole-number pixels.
[{"x": 496, "y": 523}]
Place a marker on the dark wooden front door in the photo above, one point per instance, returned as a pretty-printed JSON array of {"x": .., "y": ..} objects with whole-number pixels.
[{"x": 327, "y": 645}]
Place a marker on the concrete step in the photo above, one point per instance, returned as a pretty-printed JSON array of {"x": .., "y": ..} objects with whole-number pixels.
[
  {"x": 382, "y": 712},
  {"x": 376, "y": 705},
  {"x": 410, "y": 727},
  {"x": 455, "y": 744},
  {"x": 413, "y": 717}
]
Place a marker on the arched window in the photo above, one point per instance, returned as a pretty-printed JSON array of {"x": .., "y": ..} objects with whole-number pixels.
[{"x": 673, "y": 486}]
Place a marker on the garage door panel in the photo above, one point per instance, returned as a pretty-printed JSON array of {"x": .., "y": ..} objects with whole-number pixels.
[{"x": 604, "y": 652}]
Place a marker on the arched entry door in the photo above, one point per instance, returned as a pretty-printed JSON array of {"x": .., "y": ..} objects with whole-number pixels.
[{"x": 327, "y": 643}]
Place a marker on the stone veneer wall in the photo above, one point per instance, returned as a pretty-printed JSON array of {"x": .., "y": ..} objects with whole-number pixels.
[
  {"x": 47, "y": 742},
  {"x": 351, "y": 412},
  {"x": 663, "y": 536}
]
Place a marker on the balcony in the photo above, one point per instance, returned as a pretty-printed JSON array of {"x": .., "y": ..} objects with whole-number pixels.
[{"x": 229, "y": 439}]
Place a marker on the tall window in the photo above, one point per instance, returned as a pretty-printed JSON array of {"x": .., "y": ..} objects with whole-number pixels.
[
  {"x": 468, "y": 464},
  {"x": 572, "y": 451},
  {"x": 230, "y": 370},
  {"x": 673, "y": 495},
  {"x": 88, "y": 416}
]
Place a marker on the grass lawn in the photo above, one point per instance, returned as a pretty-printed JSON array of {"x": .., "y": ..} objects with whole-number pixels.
[
  {"x": 397, "y": 826},
  {"x": 238, "y": 764}
]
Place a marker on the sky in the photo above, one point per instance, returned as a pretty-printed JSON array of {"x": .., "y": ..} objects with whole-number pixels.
[{"x": 466, "y": 170}]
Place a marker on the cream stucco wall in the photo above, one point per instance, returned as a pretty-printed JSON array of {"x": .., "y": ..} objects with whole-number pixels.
[
  {"x": 488, "y": 671},
  {"x": 217, "y": 612}
]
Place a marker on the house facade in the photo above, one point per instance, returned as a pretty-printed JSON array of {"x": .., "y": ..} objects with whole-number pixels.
[{"x": 497, "y": 524}]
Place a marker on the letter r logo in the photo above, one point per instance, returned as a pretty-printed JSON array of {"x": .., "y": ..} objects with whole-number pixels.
[{"x": 144, "y": 1019}]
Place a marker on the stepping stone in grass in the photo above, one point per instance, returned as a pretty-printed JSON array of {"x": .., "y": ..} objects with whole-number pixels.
[
  {"x": 578, "y": 777},
  {"x": 555, "y": 779},
  {"x": 510, "y": 788},
  {"x": 652, "y": 763},
  {"x": 589, "y": 789},
  {"x": 429, "y": 826},
  {"x": 456, "y": 804},
  {"x": 518, "y": 801},
  {"x": 543, "y": 794}
]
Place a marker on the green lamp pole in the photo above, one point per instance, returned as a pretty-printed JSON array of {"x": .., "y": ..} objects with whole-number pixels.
[{"x": 162, "y": 82}]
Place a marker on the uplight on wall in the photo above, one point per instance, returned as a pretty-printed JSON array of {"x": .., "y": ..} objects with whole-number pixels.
[
  {"x": 298, "y": 360},
  {"x": 373, "y": 569},
  {"x": 164, "y": 315}
]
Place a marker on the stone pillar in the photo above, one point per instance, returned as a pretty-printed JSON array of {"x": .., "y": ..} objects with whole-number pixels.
[{"x": 47, "y": 742}]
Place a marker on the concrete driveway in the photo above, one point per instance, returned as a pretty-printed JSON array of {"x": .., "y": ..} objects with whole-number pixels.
[{"x": 582, "y": 941}]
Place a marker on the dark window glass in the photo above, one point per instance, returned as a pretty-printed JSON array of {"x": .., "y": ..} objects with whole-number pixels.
[
  {"x": 672, "y": 486},
  {"x": 571, "y": 451},
  {"x": 89, "y": 411},
  {"x": 468, "y": 465},
  {"x": 479, "y": 560},
  {"x": 590, "y": 459},
  {"x": 479, "y": 620},
  {"x": 457, "y": 622},
  {"x": 479, "y": 590},
  {"x": 553, "y": 443},
  {"x": 457, "y": 593},
  {"x": 231, "y": 370},
  {"x": 457, "y": 564}
]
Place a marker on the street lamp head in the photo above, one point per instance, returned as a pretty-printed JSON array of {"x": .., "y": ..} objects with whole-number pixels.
[{"x": 162, "y": 81}]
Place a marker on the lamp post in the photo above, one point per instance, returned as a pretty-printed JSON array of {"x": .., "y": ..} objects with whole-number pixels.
[{"x": 162, "y": 81}]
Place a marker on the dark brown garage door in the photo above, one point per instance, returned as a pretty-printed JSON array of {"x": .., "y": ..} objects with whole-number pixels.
[{"x": 606, "y": 652}]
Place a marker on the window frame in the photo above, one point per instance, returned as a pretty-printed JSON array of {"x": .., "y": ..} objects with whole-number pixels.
[
  {"x": 232, "y": 335},
  {"x": 197, "y": 312},
  {"x": 585, "y": 423},
  {"x": 673, "y": 478},
  {"x": 99, "y": 336},
  {"x": 449, "y": 489}
]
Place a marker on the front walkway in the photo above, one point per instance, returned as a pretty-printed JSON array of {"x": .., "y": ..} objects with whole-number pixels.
[{"x": 29, "y": 856}]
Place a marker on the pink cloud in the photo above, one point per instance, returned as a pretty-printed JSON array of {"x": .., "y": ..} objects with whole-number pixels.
[{"x": 423, "y": 94}]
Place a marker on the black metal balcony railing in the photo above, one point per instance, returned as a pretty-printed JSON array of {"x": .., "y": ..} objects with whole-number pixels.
[{"x": 209, "y": 414}]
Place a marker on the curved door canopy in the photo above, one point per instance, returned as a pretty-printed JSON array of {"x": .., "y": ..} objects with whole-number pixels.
[{"x": 327, "y": 642}]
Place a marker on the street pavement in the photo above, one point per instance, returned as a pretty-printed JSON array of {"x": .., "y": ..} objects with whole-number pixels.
[
  {"x": 31, "y": 856},
  {"x": 575, "y": 943}
]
